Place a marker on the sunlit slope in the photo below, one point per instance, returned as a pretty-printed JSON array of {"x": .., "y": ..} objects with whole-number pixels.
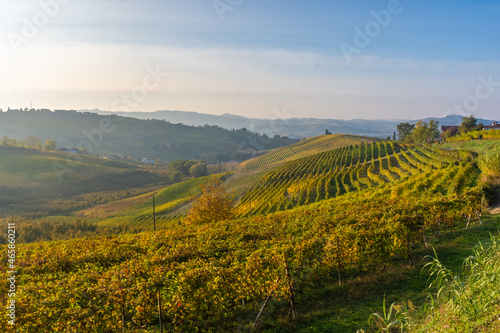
[
  {"x": 358, "y": 168},
  {"x": 42, "y": 181},
  {"x": 300, "y": 149},
  {"x": 168, "y": 203}
]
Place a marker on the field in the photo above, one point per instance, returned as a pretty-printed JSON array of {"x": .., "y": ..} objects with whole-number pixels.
[
  {"x": 322, "y": 236},
  {"x": 357, "y": 168},
  {"x": 40, "y": 182}
]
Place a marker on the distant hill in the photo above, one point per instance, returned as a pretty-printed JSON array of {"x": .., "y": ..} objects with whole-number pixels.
[
  {"x": 151, "y": 139},
  {"x": 454, "y": 120},
  {"x": 34, "y": 181},
  {"x": 292, "y": 127}
]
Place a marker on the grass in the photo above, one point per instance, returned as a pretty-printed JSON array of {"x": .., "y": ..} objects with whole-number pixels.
[
  {"x": 348, "y": 308},
  {"x": 466, "y": 300},
  {"x": 479, "y": 146}
]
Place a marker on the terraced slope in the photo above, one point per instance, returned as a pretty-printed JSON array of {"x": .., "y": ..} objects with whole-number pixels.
[
  {"x": 357, "y": 168},
  {"x": 300, "y": 149}
]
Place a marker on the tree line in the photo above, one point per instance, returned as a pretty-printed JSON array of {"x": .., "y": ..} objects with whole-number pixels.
[
  {"x": 32, "y": 142},
  {"x": 421, "y": 132},
  {"x": 428, "y": 132}
]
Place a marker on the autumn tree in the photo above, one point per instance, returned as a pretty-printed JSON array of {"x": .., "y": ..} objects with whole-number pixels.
[
  {"x": 50, "y": 145},
  {"x": 213, "y": 204},
  {"x": 198, "y": 170},
  {"x": 33, "y": 142}
]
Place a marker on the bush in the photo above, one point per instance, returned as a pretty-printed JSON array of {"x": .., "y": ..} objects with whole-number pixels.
[
  {"x": 176, "y": 176},
  {"x": 198, "y": 170},
  {"x": 214, "y": 204}
]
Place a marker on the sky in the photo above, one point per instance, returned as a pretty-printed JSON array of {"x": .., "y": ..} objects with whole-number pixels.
[{"x": 386, "y": 59}]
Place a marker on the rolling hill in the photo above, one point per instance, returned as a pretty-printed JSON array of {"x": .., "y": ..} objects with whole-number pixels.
[
  {"x": 300, "y": 149},
  {"x": 152, "y": 139},
  {"x": 292, "y": 127},
  {"x": 45, "y": 182},
  {"x": 315, "y": 170},
  {"x": 174, "y": 199}
]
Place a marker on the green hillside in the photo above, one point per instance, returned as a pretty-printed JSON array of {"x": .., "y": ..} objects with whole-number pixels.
[
  {"x": 105, "y": 135},
  {"x": 356, "y": 168},
  {"x": 172, "y": 199},
  {"x": 322, "y": 238},
  {"x": 44, "y": 182},
  {"x": 377, "y": 166},
  {"x": 167, "y": 204},
  {"x": 303, "y": 148}
]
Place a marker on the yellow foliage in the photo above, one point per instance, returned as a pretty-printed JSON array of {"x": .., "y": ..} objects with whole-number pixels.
[{"x": 214, "y": 204}]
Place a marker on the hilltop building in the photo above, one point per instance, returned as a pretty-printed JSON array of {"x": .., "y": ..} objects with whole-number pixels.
[
  {"x": 453, "y": 129},
  {"x": 495, "y": 125}
]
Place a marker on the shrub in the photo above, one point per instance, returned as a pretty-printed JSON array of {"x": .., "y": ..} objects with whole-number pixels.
[
  {"x": 214, "y": 204},
  {"x": 176, "y": 176}
]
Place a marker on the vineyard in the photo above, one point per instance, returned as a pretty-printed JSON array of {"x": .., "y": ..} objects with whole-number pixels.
[
  {"x": 300, "y": 149},
  {"x": 168, "y": 200},
  {"x": 475, "y": 135},
  {"x": 349, "y": 212},
  {"x": 215, "y": 277},
  {"x": 364, "y": 168}
]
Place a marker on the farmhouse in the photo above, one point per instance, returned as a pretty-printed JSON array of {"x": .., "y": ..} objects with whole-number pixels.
[
  {"x": 453, "y": 129},
  {"x": 495, "y": 125}
]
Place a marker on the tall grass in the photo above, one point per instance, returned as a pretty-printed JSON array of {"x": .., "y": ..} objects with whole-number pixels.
[{"x": 466, "y": 302}]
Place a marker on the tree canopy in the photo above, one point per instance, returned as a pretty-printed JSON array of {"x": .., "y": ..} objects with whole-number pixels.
[{"x": 213, "y": 204}]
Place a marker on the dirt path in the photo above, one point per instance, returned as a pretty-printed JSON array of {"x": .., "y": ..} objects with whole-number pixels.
[{"x": 495, "y": 210}]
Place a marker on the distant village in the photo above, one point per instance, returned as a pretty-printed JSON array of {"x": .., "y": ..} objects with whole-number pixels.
[{"x": 454, "y": 129}]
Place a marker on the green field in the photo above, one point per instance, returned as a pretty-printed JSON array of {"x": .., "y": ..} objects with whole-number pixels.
[{"x": 41, "y": 182}]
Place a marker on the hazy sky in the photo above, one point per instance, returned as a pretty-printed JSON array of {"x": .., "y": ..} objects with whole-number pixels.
[{"x": 258, "y": 58}]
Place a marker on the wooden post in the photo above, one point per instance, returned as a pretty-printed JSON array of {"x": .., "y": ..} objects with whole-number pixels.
[
  {"x": 160, "y": 312},
  {"x": 123, "y": 320},
  {"x": 338, "y": 258},
  {"x": 265, "y": 303},
  {"x": 290, "y": 289}
]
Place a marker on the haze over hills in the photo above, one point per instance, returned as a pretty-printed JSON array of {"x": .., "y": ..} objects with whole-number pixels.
[
  {"x": 292, "y": 127},
  {"x": 151, "y": 139}
]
